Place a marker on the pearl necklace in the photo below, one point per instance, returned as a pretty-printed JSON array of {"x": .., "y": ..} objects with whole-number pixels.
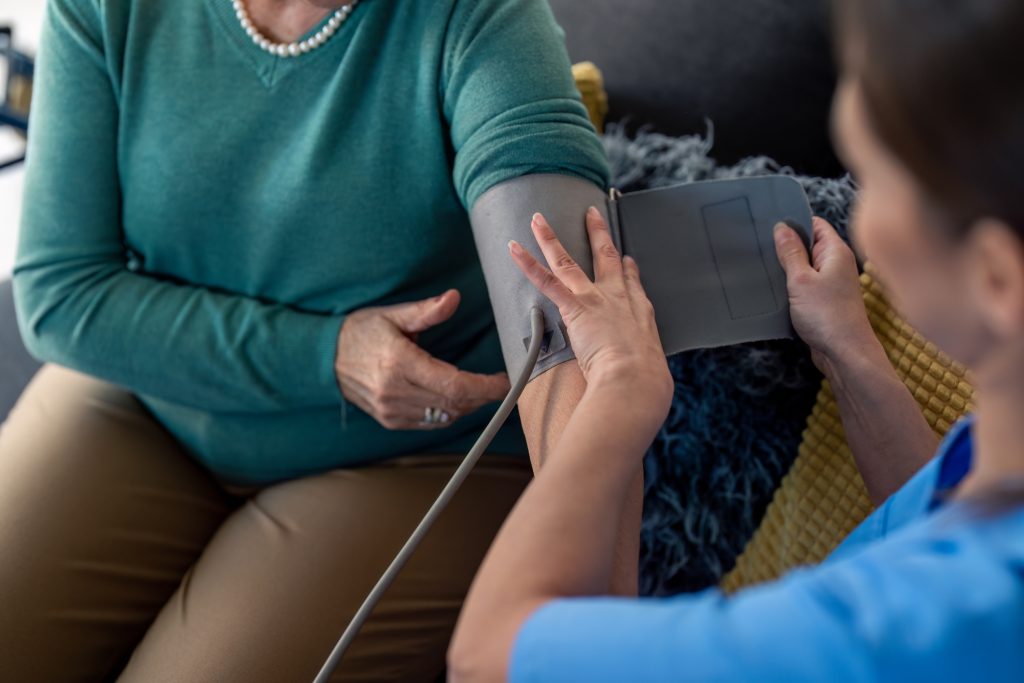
[{"x": 297, "y": 48}]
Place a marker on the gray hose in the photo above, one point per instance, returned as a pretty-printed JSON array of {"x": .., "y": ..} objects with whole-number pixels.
[{"x": 386, "y": 579}]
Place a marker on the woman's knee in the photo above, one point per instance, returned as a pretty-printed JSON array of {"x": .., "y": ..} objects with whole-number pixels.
[
  {"x": 100, "y": 515},
  {"x": 281, "y": 579}
]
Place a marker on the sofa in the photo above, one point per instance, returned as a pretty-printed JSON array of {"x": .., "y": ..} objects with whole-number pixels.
[
  {"x": 16, "y": 366},
  {"x": 760, "y": 70}
]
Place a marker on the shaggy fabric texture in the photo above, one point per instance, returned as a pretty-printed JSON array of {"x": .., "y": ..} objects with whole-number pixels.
[{"x": 738, "y": 412}]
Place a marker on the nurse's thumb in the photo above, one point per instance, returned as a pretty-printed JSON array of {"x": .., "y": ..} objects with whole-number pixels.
[{"x": 791, "y": 251}]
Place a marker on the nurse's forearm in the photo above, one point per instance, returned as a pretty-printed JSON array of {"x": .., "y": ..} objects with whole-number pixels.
[
  {"x": 560, "y": 540},
  {"x": 885, "y": 428},
  {"x": 545, "y": 409}
]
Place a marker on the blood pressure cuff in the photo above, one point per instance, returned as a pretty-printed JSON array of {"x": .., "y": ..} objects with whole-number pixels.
[{"x": 705, "y": 250}]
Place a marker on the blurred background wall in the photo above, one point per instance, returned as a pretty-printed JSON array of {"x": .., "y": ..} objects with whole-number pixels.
[{"x": 26, "y": 18}]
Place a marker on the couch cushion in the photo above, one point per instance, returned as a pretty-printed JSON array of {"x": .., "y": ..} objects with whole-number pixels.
[
  {"x": 761, "y": 70},
  {"x": 16, "y": 366}
]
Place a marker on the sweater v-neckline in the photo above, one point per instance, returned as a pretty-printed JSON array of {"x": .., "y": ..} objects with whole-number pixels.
[{"x": 270, "y": 68}]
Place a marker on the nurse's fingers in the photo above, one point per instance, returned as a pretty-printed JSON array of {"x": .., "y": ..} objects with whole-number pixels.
[
  {"x": 542, "y": 278},
  {"x": 792, "y": 253},
  {"x": 562, "y": 264},
  {"x": 640, "y": 302},
  {"x": 607, "y": 259}
]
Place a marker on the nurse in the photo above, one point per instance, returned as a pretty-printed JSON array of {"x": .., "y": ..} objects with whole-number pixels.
[{"x": 931, "y": 586}]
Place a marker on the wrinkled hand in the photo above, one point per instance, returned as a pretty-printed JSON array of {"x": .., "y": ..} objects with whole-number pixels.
[
  {"x": 824, "y": 293},
  {"x": 610, "y": 321},
  {"x": 383, "y": 371}
]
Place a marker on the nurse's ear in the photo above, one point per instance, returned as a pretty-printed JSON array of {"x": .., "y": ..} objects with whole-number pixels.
[{"x": 996, "y": 276}]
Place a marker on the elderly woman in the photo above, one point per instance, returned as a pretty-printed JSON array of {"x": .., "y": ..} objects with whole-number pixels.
[{"x": 246, "y": 258}]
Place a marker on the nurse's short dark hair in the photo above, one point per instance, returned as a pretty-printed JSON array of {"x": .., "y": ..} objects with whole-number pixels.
[{"x": 944, "y": 91}]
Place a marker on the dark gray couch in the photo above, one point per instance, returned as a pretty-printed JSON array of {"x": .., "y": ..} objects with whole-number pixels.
[
  {"x": 16, "y": 366},
  {"x": 760, "y": 69}
]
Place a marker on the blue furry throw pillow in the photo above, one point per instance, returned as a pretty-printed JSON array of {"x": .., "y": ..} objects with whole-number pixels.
[{"x": 738, "y": 412}]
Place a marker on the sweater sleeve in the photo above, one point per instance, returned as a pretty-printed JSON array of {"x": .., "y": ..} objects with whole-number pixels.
[
  {"x": 510, "y": 98},
  {"x": 80, "y": 304}
]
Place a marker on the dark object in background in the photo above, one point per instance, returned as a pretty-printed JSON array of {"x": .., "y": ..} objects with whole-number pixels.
[
  {"x": 16, "y": 70},
  {"x": 16, "y": 366},
  {"x": 762, "y": 70}
]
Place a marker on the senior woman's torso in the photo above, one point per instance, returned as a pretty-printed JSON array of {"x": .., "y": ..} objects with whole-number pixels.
[{"x": 322, "y": 182}]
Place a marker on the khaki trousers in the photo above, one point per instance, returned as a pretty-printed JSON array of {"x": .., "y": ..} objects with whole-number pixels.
[{"x": 122, "y": 559}]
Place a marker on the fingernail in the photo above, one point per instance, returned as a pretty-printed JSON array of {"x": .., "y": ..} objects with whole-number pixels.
[
  {"x": 537, "y": 218},
  {"x": 514, "y": 247},
  {"x": 594, "y": 212},
  {"x": 780, "y": 230}
]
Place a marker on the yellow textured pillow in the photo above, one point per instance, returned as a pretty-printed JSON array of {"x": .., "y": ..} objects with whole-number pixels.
[
  {"x": 591, "y": 85},
  {"x": 823, "y": 498}
]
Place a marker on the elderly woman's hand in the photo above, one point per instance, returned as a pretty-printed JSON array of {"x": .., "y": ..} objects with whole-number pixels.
[
  {"x": 382, "y": 370},
  {"x": 824, "y": 293},
  {"x": 610, "y": 320}
]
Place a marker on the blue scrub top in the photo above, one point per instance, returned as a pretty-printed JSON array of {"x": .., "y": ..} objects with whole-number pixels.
[{"x": 919, "y": 591}]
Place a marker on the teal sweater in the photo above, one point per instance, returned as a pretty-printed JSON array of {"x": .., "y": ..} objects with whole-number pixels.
[{"x": 200, "y": 216}]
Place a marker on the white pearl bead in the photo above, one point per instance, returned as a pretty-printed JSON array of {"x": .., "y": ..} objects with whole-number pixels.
[{"x": 296, "y": 48}]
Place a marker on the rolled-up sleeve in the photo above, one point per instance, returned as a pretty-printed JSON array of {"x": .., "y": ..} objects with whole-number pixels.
[{"x": 510, "y": 99}]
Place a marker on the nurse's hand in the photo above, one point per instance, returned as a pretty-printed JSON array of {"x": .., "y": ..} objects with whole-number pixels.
[
  {"x": 824, "y": 294},
  {"x": 610, "y": 320},
  {"x": 382, "y": 370}
]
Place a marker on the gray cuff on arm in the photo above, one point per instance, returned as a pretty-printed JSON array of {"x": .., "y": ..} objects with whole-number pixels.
[{"x": 504, "y": 213}]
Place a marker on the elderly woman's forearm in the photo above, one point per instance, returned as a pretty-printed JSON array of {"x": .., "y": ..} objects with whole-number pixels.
[{"x": 176, "y": 342}]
